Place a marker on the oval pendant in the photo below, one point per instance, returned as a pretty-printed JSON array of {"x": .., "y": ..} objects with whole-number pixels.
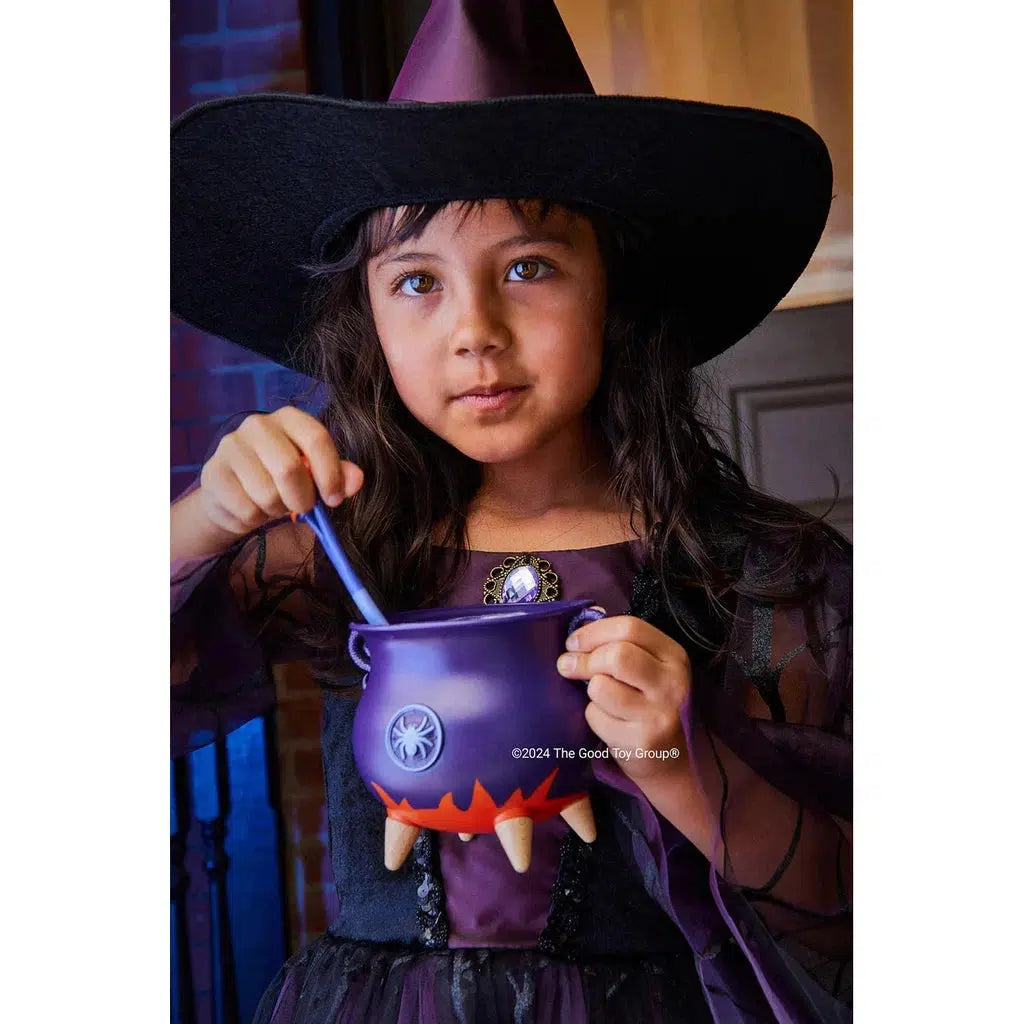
[
  {"x": 521, "y": 585},
  {"x": 522, "y": 579}
]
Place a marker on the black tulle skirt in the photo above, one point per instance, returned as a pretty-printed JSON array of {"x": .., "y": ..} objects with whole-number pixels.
[{"x": 333, "y": 981}]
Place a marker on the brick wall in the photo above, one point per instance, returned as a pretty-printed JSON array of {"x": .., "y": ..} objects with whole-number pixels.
[
  {"x": 229, "y": 47},
  {"x": 312, "y": 900},
  {"x": 226, "y": 48}
]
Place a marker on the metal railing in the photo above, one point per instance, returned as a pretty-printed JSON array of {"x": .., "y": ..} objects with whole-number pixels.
[{"x": 228, "y": 899}]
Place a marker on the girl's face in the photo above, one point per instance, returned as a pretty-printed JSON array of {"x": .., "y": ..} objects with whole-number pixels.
[{"x": 492, "y": 332}]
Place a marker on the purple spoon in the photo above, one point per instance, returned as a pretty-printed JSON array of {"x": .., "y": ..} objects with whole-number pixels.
[{"x": 319, "y": 521}]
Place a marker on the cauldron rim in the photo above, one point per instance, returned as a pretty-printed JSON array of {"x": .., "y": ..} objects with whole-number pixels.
[{"x": 469, "y": 616}]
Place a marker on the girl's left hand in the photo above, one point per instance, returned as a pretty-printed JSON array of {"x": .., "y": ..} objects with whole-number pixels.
[{"x": 639, "y": 679}]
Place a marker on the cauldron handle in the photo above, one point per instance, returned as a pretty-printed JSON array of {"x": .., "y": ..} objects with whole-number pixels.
[
  {"x": 357, "y": 650},
  {"x": 591, "y": 614}
]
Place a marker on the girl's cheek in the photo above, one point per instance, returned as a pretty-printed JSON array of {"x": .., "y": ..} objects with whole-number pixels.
[
  {"x": 414, "y": 373},
  {"x": 403, "y": 364}
]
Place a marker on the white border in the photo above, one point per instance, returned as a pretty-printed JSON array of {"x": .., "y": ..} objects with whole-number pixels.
[
  {"x": 937, "y": 463},
  {"x": 84, "y": 760},
  {"x": 85, "y": 416}
]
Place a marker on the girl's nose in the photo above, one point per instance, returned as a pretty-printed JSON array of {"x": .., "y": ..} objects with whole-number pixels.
[{"x": 480, "y": 330}]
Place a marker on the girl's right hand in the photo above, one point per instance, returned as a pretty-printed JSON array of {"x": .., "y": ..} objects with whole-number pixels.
[{"x": 257, "y": 472}]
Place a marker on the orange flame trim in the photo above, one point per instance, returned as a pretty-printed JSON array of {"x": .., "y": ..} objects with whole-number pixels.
[{"x": 483, "y": 813}]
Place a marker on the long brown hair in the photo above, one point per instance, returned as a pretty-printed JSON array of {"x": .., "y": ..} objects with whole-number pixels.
[{"x": 665, "y": 462}]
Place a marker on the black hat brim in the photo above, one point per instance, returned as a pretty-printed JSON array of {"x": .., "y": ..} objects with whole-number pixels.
[{"x": 735, "y": 199}]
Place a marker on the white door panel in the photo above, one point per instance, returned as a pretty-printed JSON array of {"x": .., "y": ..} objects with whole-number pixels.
[{"x": 784, "y": 407}]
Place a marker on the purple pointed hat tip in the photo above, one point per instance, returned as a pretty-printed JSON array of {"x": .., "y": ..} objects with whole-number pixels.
[{"x": 485, "y": 49}]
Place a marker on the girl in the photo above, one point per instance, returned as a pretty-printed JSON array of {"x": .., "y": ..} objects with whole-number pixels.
[{"x": 507, "y": 318}]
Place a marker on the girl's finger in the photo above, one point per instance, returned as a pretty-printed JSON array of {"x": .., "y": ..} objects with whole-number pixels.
[
  {"x": 335, "y": 479},
  {"x": 222, "y": 518},
  {"x": 625, "y": 628},
  {"x": 257, "y": 481},
  {"x": 610, "y": 730},
  {"x": 623, "y": 661},
  {"x": 229, "y": 506},
  {"x": 616, "y": 698},
  {"x": 283, "y": 462}
]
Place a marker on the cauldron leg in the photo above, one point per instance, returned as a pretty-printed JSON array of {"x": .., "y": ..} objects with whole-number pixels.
[
  {"x": 398, "y": 841},
  {"x": 516, "y": 837},
  {"x": 466, "y": 836},
  {"x": 580, "y": 818}
]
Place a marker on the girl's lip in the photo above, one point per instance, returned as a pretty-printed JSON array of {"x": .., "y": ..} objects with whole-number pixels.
[
  {"x": 490, "y": 389},
  {"x": 490, "y": 398}
]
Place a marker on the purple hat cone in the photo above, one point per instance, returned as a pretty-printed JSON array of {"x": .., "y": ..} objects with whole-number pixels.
[{"x": 484, "y": 49}]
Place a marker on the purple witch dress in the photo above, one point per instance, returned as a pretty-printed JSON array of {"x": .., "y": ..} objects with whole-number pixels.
[{"x": 632, "y": 927}]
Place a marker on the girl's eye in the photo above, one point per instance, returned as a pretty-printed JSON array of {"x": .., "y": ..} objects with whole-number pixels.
[
  {"x": 528, "y": 270},
  {"x": 417, "y": 284}
]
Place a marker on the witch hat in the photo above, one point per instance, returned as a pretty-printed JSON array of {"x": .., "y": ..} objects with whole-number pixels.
[{"x": 492, "y": 102}]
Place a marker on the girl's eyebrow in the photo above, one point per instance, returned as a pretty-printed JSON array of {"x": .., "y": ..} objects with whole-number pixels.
[
  {"x": 411, "y": 257},
  {"x": 550, "y": 236},
  {"x": 547, "y": 235}
]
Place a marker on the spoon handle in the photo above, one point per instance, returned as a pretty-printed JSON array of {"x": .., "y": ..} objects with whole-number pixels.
[{"x": 317, "y": 519}]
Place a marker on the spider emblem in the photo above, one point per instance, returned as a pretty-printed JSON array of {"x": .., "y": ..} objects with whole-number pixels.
[{"x": 414, "y": 737}]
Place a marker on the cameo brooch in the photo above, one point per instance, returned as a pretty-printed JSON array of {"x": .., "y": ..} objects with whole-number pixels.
[{"x": 522, "y": 579}]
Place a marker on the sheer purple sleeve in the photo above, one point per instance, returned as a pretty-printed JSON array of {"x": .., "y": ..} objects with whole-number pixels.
[
  {"x": 769, "y": 738},
  {"x": 233, "y": 615},
  {"x": 773, "y": 745},
  {"x": 774, "y": 748}
]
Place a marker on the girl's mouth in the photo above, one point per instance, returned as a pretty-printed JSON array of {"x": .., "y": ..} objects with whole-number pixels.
[{"x": 490, "y": 399}]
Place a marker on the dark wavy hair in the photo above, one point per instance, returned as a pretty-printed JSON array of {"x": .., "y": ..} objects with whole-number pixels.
[{"x": 697, "y": 507}]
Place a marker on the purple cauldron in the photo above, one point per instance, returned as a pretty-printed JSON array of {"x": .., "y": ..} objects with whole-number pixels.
[{"x": 466, "y": 726}]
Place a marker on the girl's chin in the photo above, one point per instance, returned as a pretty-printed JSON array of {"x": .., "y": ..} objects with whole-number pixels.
[
  {"x": 492, "y": 451},
  {"x": 489, "y": 458},
  {"x": 508, "y": 442}
]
